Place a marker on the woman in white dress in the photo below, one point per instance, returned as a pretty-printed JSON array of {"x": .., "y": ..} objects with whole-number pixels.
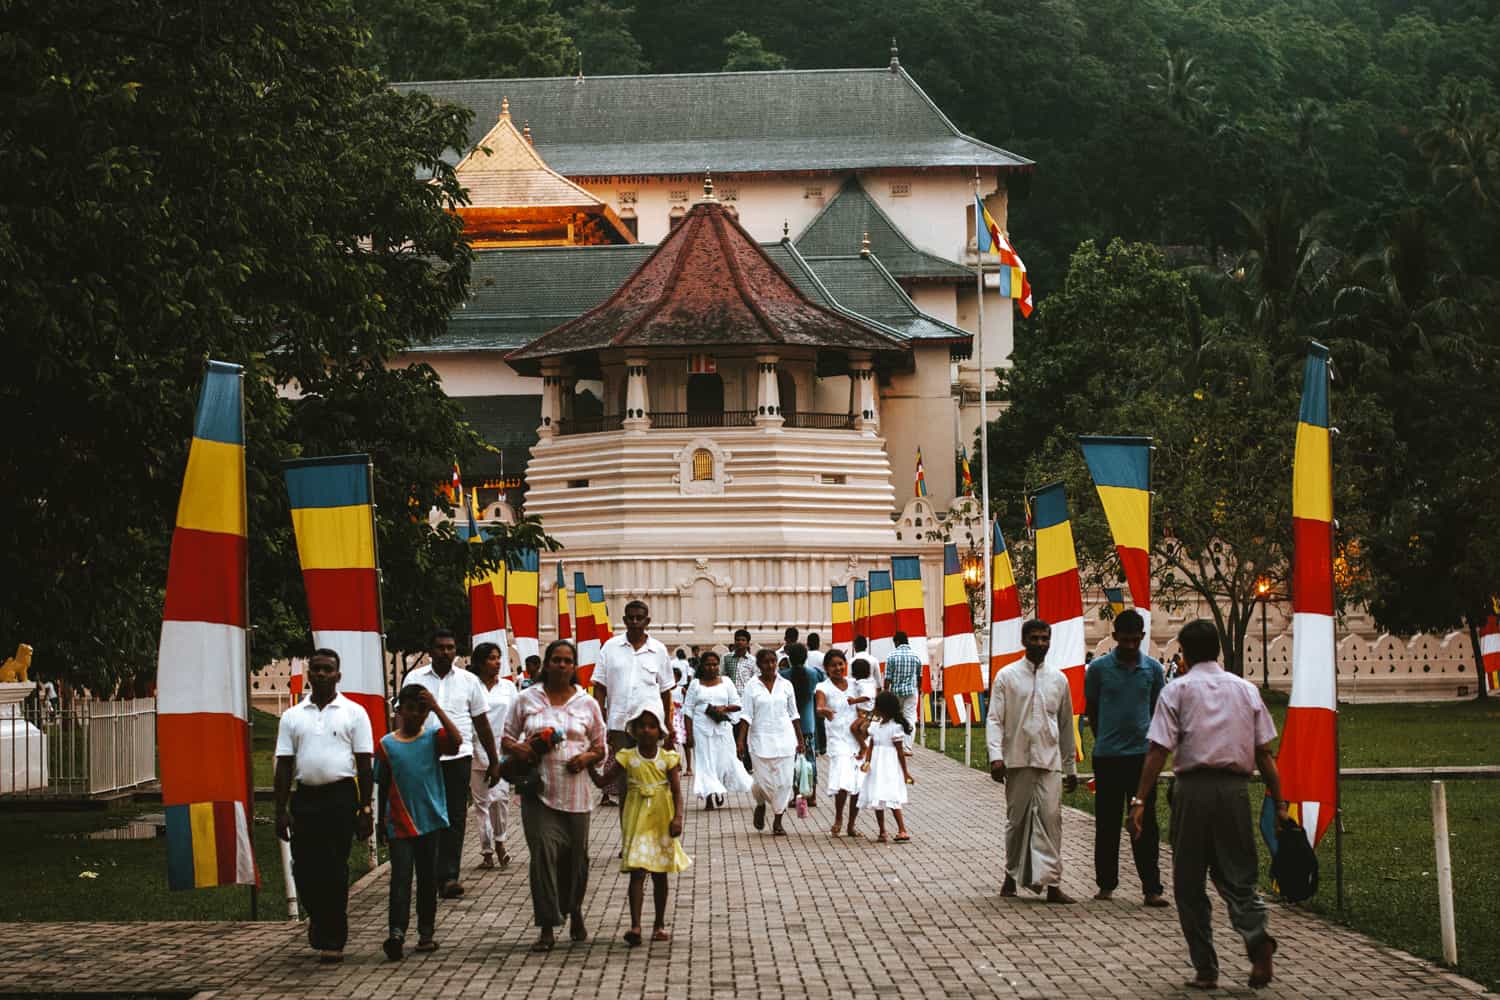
[
  {"x": 886, "y": 776},
  {"x": 491, "y": 804},
  {"x": 709, "y": 713},
  {"x": 831, "y": 698},
  {"x": 773, "y": 736}
]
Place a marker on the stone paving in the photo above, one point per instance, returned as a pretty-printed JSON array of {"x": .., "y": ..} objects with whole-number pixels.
[{"x": 806, "y": 916}]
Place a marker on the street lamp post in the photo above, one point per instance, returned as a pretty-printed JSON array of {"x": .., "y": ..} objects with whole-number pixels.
[{"x": 1263, "y": 594}]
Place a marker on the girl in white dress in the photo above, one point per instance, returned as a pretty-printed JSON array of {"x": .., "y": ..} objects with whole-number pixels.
[
  {"x": 886, "y": 776},
  {"x": 832, "y": 702},
  {"x": 709, "y": 713}
]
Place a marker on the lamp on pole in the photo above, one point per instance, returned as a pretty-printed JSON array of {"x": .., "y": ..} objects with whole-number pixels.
[{"x": 1263, "y": 594}]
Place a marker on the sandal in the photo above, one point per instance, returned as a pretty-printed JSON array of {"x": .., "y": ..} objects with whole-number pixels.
[
  {"x": 543, "y": 944},
  {"x": 1202, "y": 984},
  {"x": 633, "y": 938},
  {"x": 427, "y": 944},
  {"x": 882, "y": 839},
  {"x": 487, "y": 861},
  {"x": 903, "y": 838},
  {"x": 660, "y": 934}
]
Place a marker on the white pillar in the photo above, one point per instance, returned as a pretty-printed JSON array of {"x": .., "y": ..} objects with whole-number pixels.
[
  {"x": 768, "y": 393},
  {"x": 862, "y": 406},
  {"x": 637, "y": 419},
  {"x": 551, "y": 399}
]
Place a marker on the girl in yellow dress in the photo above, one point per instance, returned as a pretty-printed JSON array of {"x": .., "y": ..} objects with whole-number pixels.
[{"x": 652, "y": 820}]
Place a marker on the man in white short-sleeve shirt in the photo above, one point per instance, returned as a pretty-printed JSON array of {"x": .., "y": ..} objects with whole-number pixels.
[
  {"x": 634, "y": 674},
  {"x": 324, "y": 742},
  {"x": 462, "y": 696}
]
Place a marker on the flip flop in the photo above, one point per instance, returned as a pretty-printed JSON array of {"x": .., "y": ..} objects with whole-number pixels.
[
  {"x": 903, "y": 838},
  {"x": 660, "y": 934}
]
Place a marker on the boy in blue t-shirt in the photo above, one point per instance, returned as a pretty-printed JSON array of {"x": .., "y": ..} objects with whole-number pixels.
[{"x": 415, "y": 809}]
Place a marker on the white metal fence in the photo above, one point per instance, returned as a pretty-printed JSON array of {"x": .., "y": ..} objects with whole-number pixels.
[{"x": 89, "y": 748}]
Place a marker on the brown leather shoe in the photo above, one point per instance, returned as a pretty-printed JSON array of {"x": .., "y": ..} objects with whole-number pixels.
[
  {"x": 1157, "y": 900},
  {"x": 1056, "y": 895},
  {"x": 1261, "y": 972}
]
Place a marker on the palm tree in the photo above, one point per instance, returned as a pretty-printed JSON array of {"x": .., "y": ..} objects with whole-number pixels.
[
  {"x": 1183, "y": 87},
  {"x": 1462, "y": 148}
]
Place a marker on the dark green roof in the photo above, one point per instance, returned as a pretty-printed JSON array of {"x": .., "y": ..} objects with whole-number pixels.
[
  {"x": 783, "y": 120},
  {"x": 507, "y": 423},
  {"x": 840, "y": 228},
  {"x": 519, "y": 294}
]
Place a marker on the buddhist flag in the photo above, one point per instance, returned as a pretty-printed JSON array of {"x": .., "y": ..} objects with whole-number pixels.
[
  {"x": 1121, "y": 467},
  {"x": 564, "y": 613},
  {"x": 522, "y": 595},
  {"x": 603, "y": 629},
  {"x": 1005, "y": 607},
  {"x": 333, "y": 517},
  {"x": 1014, "y": 282},
  {"x": 911, "y": 611},
  {"x": 920, "y": 488},
  {"x": 862, "y": 609},
  {"x": 297, "y": 679},
  {"x": 1308, "y": 760},
  {"x": 882, "y": 616},
  {"x": 961, "y": 671},
  {"x": 202, "y": 689},
  {"x": 586, "y": 631},
  {"x": 486, "y": 596},
  {"x": 842, "y": 632},
  {"x": 1489, "y": 651},
  {"x": 968, "y": 477},
  {"x": 1116, "y": 600},
  {"x": 1059, "y": 600}
]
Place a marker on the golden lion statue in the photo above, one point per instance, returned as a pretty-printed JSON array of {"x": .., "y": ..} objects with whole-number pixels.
[{"x": 15, "y": 668}]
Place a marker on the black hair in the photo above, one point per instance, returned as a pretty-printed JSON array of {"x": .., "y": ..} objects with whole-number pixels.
[
  {"x": 482, "y": 653},
  {"x": 742, "y": 632},
  {"x": 554, "y": 644},
  {"x": 682, "y": 653},
  {"x": 324, "y": 651},
  {"x": 901, "y": 639},
  {"x": 1130, "y": 620},
  {"x": 409, "y": 692},
  {"x": 703, "y": 659},
  {"x": 1199, "y": 641},
  {"x": 440, "y": 633},
  {"x": 888, "y": 705},
  {"x": 791, "y": 633},
  {"x": 860, "y": 643},
  {"x": 798, "y": 672},
  {"x": 533, "y": 659},
  {"x": 834, "y": 654},
  {"x": 813, "y": 642},
  {"x": 638, "y": 603},
  {"x": 677, "y": 672},
  {"x": 1031, "y": 625},
  {"x": 796, "y": 653},
  {"x": 860, "y": 668}
]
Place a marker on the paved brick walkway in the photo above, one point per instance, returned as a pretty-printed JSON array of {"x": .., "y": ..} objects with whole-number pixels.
[{"x": 755, "y": 917}]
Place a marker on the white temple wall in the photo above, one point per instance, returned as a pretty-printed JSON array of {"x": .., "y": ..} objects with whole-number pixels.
[
  {"x": 474, "y": 373},
  {"x": 916, "y": 410}
]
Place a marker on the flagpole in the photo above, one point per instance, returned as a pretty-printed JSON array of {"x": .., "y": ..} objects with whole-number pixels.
[
  {"x": 1338, "y": 792},
  {"x": 249, "y": 717},
  {"x": 984, "y": 426},
  {"x": 385, "y": 691}
]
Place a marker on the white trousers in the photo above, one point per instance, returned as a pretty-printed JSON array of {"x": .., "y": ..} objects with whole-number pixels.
[{"x": 491, "y": 810}]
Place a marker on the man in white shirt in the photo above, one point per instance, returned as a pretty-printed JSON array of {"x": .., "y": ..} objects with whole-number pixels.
[
  {"x": 634, "y": 674},
  {"x": 462, "y": 696},
  {"x": 325, "y": 743},
  {"x": 1029, "y": 734}
]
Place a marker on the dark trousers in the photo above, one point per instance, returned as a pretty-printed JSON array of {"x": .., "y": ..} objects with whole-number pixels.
[
  {"x": 1212, "y": 837},
  {"x": 414, "y": 855},
  {"x": 322, "y": 833},
  {"x": 451, "y": 841},
  {"x": 559, "y": 846},
  {"x": 1115, "y": 781}
]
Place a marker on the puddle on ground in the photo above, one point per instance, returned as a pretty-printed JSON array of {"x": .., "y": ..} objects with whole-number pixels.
[{"x": 147, "y": 827}]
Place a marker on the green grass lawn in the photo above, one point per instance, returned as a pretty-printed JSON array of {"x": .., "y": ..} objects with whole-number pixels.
[{"x": 1390, "y": 887}]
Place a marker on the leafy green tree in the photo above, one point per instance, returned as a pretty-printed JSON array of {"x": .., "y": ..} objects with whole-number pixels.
[
  {"x": 601, "y": 31},
  {"x": 211, "y": 179},
  {"x": 744, "y": 51},
  {"x": 465, "y": 39}
]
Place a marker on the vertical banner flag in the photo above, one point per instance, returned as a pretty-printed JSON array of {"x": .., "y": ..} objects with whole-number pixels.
[
  {"x": 297, "y": 679},
  {"x": 564, "y": 611},
  {"x": 583, "y": 627},
  {"x": 842, "y": 632},
  {"x": 333, "y": 517},
  {"x": 882, "y": 616},
  {"x": 911, "y": 610},
  {"x": 202, "y": 725},
  {"x": 486, "y": 597},
  {"x": 1014, "y": 283},
  {"x": 1005, "y": 607},
  {"x": 603, "y": 629},
  {"x": 920, "y": 487},
  {"x": 1115, "y": 597},
  {"x": 961, "y": 671},
  {"x": 862, "y": 609},
  {"x": 1121, "y": 467},
  {"x": 522, "y": 596},
  {"x": 1489, "y": 647},
  {"x": 968, "y": 476},
  {"x": 1059, "y": 599},
  {"x": 1308, "y": 760}
]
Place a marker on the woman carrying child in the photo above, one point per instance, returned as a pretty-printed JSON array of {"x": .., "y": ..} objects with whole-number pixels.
[
  {"x": 708, "y": 714},
  {"x": 839, "y": 718},
  {"x": 886, "y": 776}
]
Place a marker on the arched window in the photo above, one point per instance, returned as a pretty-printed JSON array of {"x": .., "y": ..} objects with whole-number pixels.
[
  {"x": 705, "y": 400},
  {"x": 703, "y": 465}
]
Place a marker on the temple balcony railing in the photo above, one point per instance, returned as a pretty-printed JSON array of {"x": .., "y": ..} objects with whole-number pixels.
[
  {"x": 668, "y": 420},
  {"x": 820, "y": 421},
  {"x": 676, "y": 420},
  {"x": 591, "y": 425}
]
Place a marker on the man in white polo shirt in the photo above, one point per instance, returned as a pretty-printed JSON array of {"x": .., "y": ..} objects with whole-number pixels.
[
  {"x": 325, "y": 743},
  {"x": 462, "y": 696},
  {"x": 635, "y": 673}
]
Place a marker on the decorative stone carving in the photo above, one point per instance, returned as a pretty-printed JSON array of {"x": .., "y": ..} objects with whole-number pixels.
[{"x": 719, "y": 476}]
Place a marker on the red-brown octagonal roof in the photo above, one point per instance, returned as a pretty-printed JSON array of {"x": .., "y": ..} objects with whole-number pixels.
[{"x": 708, "y": 283}]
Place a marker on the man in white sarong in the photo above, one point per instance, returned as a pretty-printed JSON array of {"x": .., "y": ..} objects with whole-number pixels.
[{"x": 1030, "y": 737}]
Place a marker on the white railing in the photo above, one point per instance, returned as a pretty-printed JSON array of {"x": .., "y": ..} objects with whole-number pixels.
[{"x": 89, "y": 748}]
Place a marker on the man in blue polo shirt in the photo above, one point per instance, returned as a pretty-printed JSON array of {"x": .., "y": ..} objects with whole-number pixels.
[{"x": 1120, "y": 691}]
